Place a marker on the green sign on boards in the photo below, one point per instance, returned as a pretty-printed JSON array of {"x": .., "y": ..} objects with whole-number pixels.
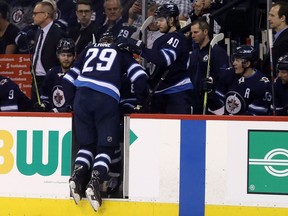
[{"x": 267, "y": 162}]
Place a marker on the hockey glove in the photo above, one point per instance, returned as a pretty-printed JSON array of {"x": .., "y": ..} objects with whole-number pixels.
[
  {"x": 25, "y": 38},
  {"x": 126, "y": 31},
  {"x": 140, "y": 108},
  {"x": 67, "y": 108},
  {"x": 130, "y": 44},
  {"x": 207, "y": 85},
  {"x": 42, "y": 107}
]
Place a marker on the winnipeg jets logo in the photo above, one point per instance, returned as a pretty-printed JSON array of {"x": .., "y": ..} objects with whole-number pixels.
[
  {"x": 58, "y": 97},
  {"x": 234, "y": 103},
  {"x": 205, "y": 58}
]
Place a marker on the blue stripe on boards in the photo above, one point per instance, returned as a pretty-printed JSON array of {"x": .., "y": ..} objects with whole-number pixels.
[{"x": 192, "y": 168}]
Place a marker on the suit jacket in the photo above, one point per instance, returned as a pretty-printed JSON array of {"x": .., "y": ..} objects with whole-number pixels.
[
  {"x": 48, "y": 56},
  {"x": 280, "y": 47}
]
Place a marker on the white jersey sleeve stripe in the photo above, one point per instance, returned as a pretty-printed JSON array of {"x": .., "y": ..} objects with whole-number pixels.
[{"x": 137, "y": 74}]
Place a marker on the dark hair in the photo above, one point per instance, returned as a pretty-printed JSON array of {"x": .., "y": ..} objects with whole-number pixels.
[
  {"x": 85, "y": 2},
  {"x": 283, "y": 9},
  {"x": 4, "y": 7},
  {"x": 203, "y": 24}
]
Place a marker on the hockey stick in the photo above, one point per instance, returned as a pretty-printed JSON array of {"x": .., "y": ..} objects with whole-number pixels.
[
  {"x": 32, "y": 71},
  {"x": 149, "y": 97},
  {"x": 270, "y": 38},
  {"x": 227, "y": 42},
  {"x": 36, "y": 85},
  {"x": 144, "y": 26},
  {"x": 93, "y": 39},
  {"x": 215, "y": 40}
]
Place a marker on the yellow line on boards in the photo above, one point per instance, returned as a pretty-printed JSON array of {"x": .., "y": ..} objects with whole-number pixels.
[
  {"x": 58, "y": 207},
  {"x": 211, "y": 210}
]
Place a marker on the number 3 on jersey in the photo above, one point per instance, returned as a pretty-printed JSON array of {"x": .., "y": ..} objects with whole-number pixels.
[{"x": 101, "y": 59}]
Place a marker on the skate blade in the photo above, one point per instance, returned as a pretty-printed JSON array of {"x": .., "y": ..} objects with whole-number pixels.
[
  {"x": 93, "y": 202},
  {"x": 75, "y": 195}
]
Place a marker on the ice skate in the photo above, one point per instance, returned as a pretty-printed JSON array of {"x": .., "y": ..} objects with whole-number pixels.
[
  {"x": 93, "y": 191},
  {"x": 75, "y": 184}
]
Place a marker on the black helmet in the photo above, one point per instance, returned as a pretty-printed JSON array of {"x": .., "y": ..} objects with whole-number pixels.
[
  {"x": 107, "y": 37},
  {"x": 246, "y": 52},
  {"x": 282, "y": 63},
  {"x": 167, "y": 10},
  {"x": 66, "y": 45}
]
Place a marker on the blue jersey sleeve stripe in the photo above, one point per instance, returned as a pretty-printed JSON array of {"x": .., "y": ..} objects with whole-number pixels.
[
  {"x": 9, "y": 108},
  {"x": 277, "y": 108},
  {"x": 183, "y": 85},
  {"x": 137, "y": 74},
  {"x": 258, "y": 109},
  {"x": 44, "y": 97},
  {"x": 171, "y": 53},
  {"x": 76, "y": 70},
  {"x": 98, "y": 88},
  {"x": 134, "y": 67},
  {"x": 220, "y": 94},
  {"x": 99, "y": 83},
  {"x": 131, "y": 68},
  {"x": 167, "y": 58},
  {"x": 69, "y": 78}
]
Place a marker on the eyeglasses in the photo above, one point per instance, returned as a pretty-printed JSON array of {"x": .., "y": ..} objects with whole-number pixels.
[
  {"x": 112, "y": 9},
  {"x": 35, "y": 13},
  {"x": 83, "y": 11}
]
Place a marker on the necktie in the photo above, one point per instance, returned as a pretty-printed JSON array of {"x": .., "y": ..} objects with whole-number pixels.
[{"x": 38, "y": 50}]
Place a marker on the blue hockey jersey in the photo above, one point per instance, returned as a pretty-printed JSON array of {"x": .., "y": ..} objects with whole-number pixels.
[
  {"x": 245, "y": 95},
  {"x": 52, "y": 91},
  {"x": 281, "y": 98},
  {"x": 170, "y": 54},
  {"x": 11, "y": 97},
  {"x": 101, "y": 66}
]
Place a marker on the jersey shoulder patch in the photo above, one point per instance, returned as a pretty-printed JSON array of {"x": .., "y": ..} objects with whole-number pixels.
[
  {"x": 3, "y": 81},
  {"x": 264, "y": 79}
]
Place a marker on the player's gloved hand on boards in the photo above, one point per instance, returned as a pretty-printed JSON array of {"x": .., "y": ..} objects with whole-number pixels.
[
  {"x": 139, "y": 109},
  {"x": 64, "y": 109},
  {"x": 42, "y": 107},
  {"x": 207, "y": 85},
  {"x": 132, "y": 45}
]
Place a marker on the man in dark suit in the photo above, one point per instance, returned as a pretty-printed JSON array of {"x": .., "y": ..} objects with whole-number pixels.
[
  {"x": 278, "y": 20},
  {"x": 47, "y": 38},
  {"x": 114, "y": 21}
]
